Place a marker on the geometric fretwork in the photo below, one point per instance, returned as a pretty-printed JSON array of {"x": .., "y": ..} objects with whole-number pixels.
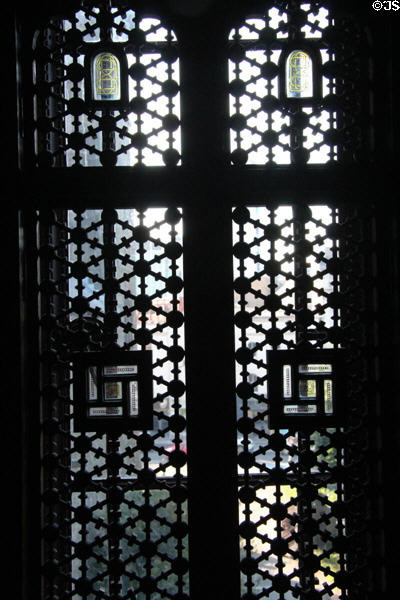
[
  {"x": 73, "y": 129},
  {"x": 267, "y": 126},
  {"x": 114, "y": 511},
  {"x": 302, "y": 278}
]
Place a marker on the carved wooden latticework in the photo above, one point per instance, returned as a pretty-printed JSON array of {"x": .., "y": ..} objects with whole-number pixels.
[
  {"x": 109, "y": 244},
  {"x": 71, "y": 128},
  {"x": 267, "y": 126},
  {"x": 303, "y": 281},
  {"x": 114, "y": 513}
]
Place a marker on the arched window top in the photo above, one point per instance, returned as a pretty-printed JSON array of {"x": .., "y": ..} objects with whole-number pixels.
[
  {"x": 123, "y": 25},
  {"x": 277, "y": 20},
  {"x": 289, "y": 74},
  {"x": 98, "y": 59}
]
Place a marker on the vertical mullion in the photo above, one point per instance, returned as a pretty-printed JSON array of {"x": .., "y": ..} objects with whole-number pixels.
[
  {"x": 211, "y": 405},
  {"x": 208, "y": 268}
]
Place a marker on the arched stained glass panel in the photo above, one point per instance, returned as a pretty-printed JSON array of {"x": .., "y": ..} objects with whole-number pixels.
[
  {"x": 299, "y": 81},
  {"x": 106, "y": 77}
]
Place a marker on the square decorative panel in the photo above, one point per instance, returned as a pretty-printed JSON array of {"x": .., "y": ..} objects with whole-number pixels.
[
  {"x": 306, "y": 388},
  {"x": 113, "y": 391}
]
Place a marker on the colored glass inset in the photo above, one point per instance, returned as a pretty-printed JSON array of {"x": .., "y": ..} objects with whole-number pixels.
[
  {"x": 133, "y": 398},
  {"x": 299, "y": 83},
  {"x": 113, "y": 390},
  {"x": 307, "y": 388},
  {"x": 106, "y": 77},
  {"x": 328, "y": 396},
  {"x": 287, "y": 381},
  {"x": 117, "y": 370},
  {"x": 315, "y": 369},
  {"x": 92, "y": 380},
  {"x": 300, "y": 409},
  {"x": 105, "y": 411}
]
